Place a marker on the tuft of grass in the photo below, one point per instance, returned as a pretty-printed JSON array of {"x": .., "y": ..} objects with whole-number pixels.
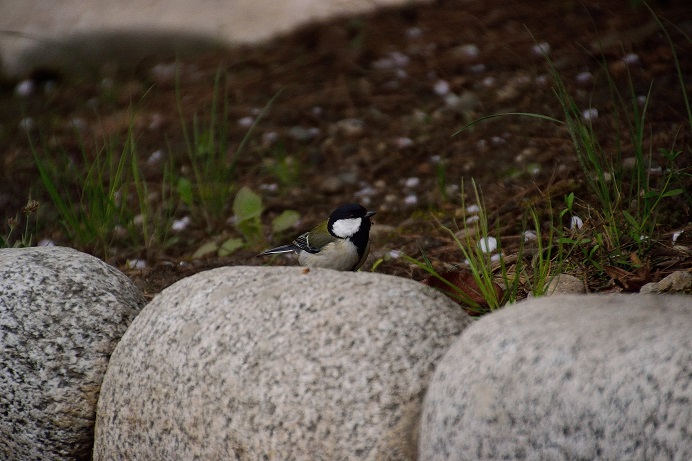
[
  {"x": 284, "y": 167},
  {"x": 626, "y": 214},
  {"x": 100, "y": 206},
  {"x": 104, "y": 201},
  {"x": 105, "y": 198},
  {"x": 209, "y": 190},
  {"x": 474, "y": 241},
  {"x": 549, "y": 258},
  {"x": 26, "y": 239},
  {"x": 623, "y": 208},
  {"x": 156, "y": 203}
]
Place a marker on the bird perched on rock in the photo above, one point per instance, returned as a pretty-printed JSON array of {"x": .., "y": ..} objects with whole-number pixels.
[{"x": 341, "y": 242}]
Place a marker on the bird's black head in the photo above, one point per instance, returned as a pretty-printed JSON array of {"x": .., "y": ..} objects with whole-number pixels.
[{"x": 351, "y": 221}]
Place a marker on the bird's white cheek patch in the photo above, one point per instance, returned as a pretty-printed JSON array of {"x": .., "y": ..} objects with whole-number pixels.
[{"x": 345, "y": 228}]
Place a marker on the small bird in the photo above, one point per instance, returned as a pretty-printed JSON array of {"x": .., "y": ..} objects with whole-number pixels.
[{"x": 341, "y": 242}]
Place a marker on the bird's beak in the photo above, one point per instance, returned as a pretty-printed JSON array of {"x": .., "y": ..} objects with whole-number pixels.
[{"x": 370, "y": 213}]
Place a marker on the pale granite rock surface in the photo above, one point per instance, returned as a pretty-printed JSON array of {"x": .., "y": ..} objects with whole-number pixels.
[
  {"x": 275, "y": 363},
  {"x": 599, "y": 377},
  {"x": 61, "y": 314},
  {"x": 677, "y": 282}
]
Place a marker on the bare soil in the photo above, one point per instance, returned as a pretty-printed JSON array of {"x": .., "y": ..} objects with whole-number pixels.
[{"x": 366, "y": 111}]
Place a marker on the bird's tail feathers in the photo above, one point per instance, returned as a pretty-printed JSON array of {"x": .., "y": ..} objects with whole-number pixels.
[{"x": 278, "y": 250}]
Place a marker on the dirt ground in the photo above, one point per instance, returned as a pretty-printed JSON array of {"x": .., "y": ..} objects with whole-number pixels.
[{"x": 366, "y": 111}]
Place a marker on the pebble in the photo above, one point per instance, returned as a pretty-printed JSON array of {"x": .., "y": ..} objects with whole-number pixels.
[
  {"x": 584, "y": 78},
  {"x": 350, "y": 127},
  {"x": 488, "y": 82},
  {"x": 181, "y": 224},
  {"x": 563, "y": 284},
  {"x": 629, "y": 163},
  {"x": 303, "y": 134},
  {"x": 25, "y": 88},
  {"x": 27, "y": 124},
  {"x": 332, "y": 185},
  {"x": 677, "y": 282},
  {"x": 402, "y": 142},
  {"x": 468, "y": 51},
  {"x": 590, "y": 114},
  {"x": 366, "y": 191},
  {"x": 541, "y": 80},
  {"x": 462, "y": 104},
  {"x": 270, "y": 187},
  {"x": 533, "y": 168},
  {"x": 472, "y": 219},
  {"x": 530, "y": 236},
  {"x": 411, "y": 199},
  {"x": 136, "y": 264},
  {"x": 246, "y": 122},
  {"x": 392, "y": 61},
  {"x": 414, "y": 32},
  {"x": 269, "y": 138},
  {"x": 165, "y": 73},
  {"x": 441, "y": 87},
  {"x": 631, "y": 59},
  {"x": 155, "y": 157},
  {"x": 156, "y": 121},
  {"x": 541, "y": 49},
  {"x": 412, "y": 182},
  {"x": 676, "y": 235},
  {"x": 471, "y": 209}
]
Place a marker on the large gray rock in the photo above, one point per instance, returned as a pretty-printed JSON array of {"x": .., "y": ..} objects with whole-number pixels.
[
  {"x": 566, "y": 378},
  {"x": 276, "y": 363},
  {"x": 61, "y": 314}
]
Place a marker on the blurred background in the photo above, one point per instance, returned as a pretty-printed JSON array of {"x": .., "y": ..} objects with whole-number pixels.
[{"x": 65, "y": 33}]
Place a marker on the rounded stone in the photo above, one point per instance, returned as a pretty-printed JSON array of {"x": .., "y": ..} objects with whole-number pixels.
[
  {"x": 275, "y": 363},
  {"x": 566, "y": 377},
  {"x": 61, "y": 314}
]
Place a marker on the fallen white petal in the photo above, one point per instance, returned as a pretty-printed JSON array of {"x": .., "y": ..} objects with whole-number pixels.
[
  {"x": 441, "y": 87},
  {"x": 246, "y": 122},
  {"x": 473, "y": 209},
  {"x": 136, "y": 263},
  {"x": 411, "y": 199},
  {"x": 24, "y": 88},
  {"x": 487, "y": 244},
  {"x": 394, "y": 254},
  {"x": 530, "y": 236},
  {"x": 412, "y": 182},
  {"x": 590, "y": 114},
  {"x": 541, "y": 48},
  {"x": 631, "y": 59},
  {"x": 181, "y": 224},
  {"x": 472, "y": 219}
]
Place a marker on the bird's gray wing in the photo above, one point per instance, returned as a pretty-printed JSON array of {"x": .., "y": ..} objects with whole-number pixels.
[{"x": 315, "y": 240}]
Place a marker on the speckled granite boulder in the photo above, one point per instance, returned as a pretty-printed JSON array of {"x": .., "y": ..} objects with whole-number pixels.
[
  {"x": 566, "y": 378},
  {"x": 275, "y": 363},
  {"x": 61, "y": 314}
]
